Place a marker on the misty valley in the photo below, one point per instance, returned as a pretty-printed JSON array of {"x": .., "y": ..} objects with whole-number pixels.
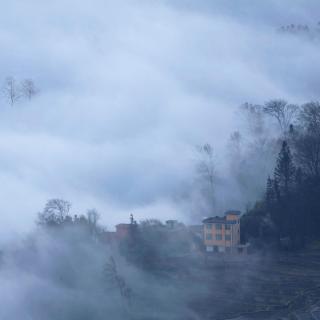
[
  {"x": 71, "y": 267},
  {"x": 160, "y": 160}
]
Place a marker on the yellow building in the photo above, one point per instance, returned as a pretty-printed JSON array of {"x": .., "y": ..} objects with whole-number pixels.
[{"x": 222, "y": 234}]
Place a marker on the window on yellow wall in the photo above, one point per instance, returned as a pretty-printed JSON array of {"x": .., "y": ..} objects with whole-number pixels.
[
  {"x": 218, "y": 236},
  {"x": 208, "y": 236},
  {"x": 228, "y": 227},
  {"x": 208, "y": 226},
  {"x": 218, "y": 226},
  {"x": 228, "y": 237}
]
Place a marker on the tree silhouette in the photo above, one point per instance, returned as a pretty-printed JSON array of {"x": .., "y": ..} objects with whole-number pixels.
[{"x": 284, "y": 172}]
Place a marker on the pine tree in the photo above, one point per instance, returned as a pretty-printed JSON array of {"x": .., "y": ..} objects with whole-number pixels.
[
  {"x": 274, "y": 205},
  {"x": 270, "y": 193},
  {"x": 284, "y": 172}
]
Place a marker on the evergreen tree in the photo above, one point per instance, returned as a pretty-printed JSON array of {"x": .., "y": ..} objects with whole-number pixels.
[
  {"x": 270, "y": 193},
  {"x": 284, "y": 172}
]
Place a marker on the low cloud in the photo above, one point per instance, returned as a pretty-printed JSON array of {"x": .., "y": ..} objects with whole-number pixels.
[{"x": 128, "y": 89}]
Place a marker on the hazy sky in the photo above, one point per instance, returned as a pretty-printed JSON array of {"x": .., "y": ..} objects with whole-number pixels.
[{"x": 128, "y": 89}]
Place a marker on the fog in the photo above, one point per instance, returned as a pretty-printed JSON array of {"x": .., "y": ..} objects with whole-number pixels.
[
  {"x": 130, "y": 95},
  {"x": 66, "y": 271},
  {"x": 128, "y": 89},
  {"x": 64, "y": 275}
]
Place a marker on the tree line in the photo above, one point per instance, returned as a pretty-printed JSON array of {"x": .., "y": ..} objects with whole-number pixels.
[
  {"x": 289, "y": 212},
  {"x": 303, "y": 30},
  {"x": 147, "y": 244}
]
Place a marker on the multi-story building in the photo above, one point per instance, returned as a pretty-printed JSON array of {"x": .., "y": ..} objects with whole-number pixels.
[{"x": 222, "y": 234}]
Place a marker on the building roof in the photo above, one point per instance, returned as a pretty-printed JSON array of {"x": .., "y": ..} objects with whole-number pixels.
[
  {"x": 218, "y": 220},
  {"x": 235, "y": 212},
  {"x": 123, "y": 225}
]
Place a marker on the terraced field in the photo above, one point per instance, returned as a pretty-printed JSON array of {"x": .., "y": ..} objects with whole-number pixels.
[{"x": 271, "y": 287}]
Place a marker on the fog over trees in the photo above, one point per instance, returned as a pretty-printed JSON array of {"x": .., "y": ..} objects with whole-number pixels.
[
  {"x": 66, "y": 269},
  {"x": 13, "y": 91},
  {"x": 290, "y": 200},
  {"x": 305, "y": 31},
  {"x": 122, "y": 104},
  {"x": 142, "y": 112}
]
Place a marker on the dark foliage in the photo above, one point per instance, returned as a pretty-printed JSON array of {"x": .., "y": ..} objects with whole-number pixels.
[
  {"x": 291, "y": 199},
  {"x": 150, "y": 243}
]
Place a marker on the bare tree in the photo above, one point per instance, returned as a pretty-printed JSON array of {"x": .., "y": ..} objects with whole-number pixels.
[
  {"x": 206, "y": 166},
  {"x": 254, "y": 118},
  {"x": 116, "y": 280},
  {"x": 283, "y": 112},
  {"x": 235, "y": 155},
  {"x": 54, "y": 212},
  {"x": 206, "y": 176},
  {"x": 93, "y": 216},
  {"x": 307, "y": 141},
  {"x": 235, "y": 143},
  {"x": 11, "y": 90},
  {"x": 309, "y": 117},
  {"x": 28, "y": 88}
]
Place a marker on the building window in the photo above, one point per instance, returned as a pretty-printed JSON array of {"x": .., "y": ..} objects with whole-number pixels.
[
  {"x": 218, "y": 226},
  {"x": 218, "y": 236},
  {"x": 228, "y": 237},
  {"x": 208, "y": 226},
  {"x": 208, "y": 236},
  {"x": 228, "y": 227}
]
